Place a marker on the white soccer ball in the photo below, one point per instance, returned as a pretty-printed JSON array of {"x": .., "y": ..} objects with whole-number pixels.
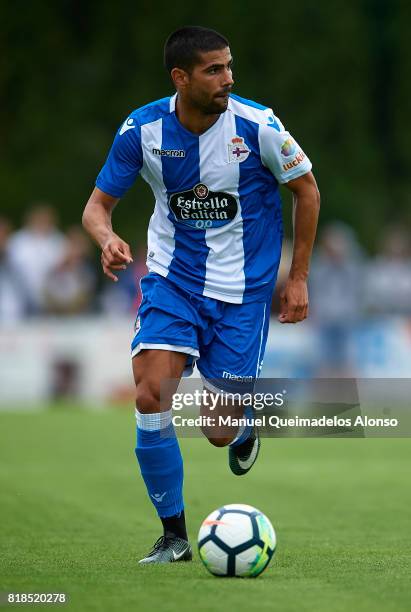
[{"x": 236, "y": 540}]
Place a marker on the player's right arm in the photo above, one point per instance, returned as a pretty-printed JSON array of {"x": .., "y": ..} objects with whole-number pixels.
[
  {"x": 117, "y": 175},
  {"x": 115, "y": 253}
]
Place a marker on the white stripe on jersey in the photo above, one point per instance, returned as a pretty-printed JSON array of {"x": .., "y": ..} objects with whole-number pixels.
[
  {"x": 225, "y": 259},
  {"x": 251, "y": 113},
  {"x": 160, "y": 235},
  {"x": 173, "y": 103}
]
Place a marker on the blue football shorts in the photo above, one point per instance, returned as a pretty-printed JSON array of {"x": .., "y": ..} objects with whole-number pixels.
[{"x": 226, "y": 341}]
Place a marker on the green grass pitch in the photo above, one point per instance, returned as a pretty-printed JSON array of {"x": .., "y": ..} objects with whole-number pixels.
[{"x": 75, "y": 517}]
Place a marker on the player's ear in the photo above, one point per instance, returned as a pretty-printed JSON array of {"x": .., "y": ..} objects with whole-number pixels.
[{"x": 180, "y": 77}]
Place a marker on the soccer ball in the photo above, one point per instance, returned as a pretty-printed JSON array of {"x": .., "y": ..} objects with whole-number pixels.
[{"x": 236, "y": 540}]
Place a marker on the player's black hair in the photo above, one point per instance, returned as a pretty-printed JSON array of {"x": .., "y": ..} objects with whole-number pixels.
[{"x": 183, "y": 46}]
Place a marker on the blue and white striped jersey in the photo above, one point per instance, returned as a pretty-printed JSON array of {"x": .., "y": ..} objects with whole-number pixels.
[{"x": 216, "y": 228}]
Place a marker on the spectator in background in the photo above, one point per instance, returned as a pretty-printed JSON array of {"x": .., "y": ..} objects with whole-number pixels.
[
  {"x": 13, "y": 299},
  {"x": 69, "y": 286},
  {"x": 336, "y": 282},
  {"x": 388, "y": 283},
  {"x": 34, "y": 251}
]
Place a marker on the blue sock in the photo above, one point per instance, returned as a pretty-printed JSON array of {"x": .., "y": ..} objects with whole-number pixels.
[
  {"x": 160, "y": 460},
  {"x": 244, "y": 430}
]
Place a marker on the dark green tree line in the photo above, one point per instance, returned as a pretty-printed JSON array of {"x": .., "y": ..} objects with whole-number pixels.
[{"x": 337, "y": 73}]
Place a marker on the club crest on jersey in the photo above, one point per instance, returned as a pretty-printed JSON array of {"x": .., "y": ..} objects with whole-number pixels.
[
  {"x": 238, "y": 151},
  {"x": 202, "y": 208}
]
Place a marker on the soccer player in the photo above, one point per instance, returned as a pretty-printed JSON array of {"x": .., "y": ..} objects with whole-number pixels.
[{"x": 214, "y": 162}]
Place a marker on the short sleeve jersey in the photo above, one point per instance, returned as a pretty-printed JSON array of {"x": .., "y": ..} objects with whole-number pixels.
[{"x": 216, "y": 228}]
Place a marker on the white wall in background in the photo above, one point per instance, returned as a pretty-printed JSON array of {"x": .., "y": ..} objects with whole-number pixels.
[{"x": 100, "y": 348}]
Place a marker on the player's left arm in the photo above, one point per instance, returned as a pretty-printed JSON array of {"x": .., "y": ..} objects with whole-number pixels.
[
  {"x": 283, "y": 156},
  {"x": 294, "y": 296}
]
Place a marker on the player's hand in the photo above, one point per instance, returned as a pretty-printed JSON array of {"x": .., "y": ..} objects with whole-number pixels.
[
  {"x": 293, "y": 302},
  {"x": 115, "y": 255}
]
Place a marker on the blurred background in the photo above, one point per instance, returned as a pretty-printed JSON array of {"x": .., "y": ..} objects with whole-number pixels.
[{"x": 337, "y": 75}]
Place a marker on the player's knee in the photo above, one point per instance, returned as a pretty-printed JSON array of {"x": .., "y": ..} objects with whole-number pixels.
[{"x": 147, "y": 399}]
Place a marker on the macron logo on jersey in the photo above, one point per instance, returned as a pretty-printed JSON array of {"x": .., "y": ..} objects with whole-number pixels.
[
  {"x": 127, "y": 125},
  {"x": 168, "y": 152}
]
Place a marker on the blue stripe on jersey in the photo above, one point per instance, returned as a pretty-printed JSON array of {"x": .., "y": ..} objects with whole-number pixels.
[
  {"x": 125, "y": 157},
  {"x": 248, "y": 102},
  {"x": 152, "y": 111},
  {"x": 188, "y": 266},
  {"x": 123, "y": 163},
  {"x": 262, "y": 217}
]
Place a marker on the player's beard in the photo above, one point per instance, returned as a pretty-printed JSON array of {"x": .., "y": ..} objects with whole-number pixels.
[
  {"x": 219, "y": 105},
  {"x": 215, "y": 105}
]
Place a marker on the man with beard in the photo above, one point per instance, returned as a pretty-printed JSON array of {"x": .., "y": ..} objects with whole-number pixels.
[{"x": 214, "y": 162}]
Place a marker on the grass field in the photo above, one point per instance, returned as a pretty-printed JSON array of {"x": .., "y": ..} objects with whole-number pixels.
[{"x": 75, "y": 517}]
